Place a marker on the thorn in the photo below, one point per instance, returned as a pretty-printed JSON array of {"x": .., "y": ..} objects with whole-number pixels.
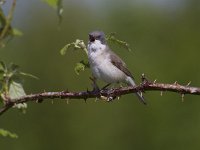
[
  {"x": 161, "y": 93},
  {"x": 67, "y": 101},
  {"x": 39, "y": 100},
  {"x": 66, "y": 91},
  {"x": 96, "y": 99},
  {"x": 118, "y": 97},
  {"x": 182, "y": 97},
  {"x": 143, "y": 77},
  {"x": 144, "y": 80},
  {"x": 154, "y": 81},
  {"x": 51, "y": 101},
  {"x": 188, "y": 83},
  {"x": 175, "y": 83}
]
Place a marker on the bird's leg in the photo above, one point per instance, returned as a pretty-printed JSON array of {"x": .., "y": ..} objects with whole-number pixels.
[
  {"x": 120, "y": 85},
  {"x": 94, "y": 84},
  {"x": 104, "y": 88}
]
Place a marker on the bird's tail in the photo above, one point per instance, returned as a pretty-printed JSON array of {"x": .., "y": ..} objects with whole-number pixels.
[
  {"x": 140, "y": 97},
  {"x": 130, "y": 81}
]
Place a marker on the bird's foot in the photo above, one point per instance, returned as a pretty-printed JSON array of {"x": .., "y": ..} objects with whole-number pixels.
[
  {"x": 145, "y": 81},
  {"x": 94, "y": 85},
  {"x": 95, "y": 88}
]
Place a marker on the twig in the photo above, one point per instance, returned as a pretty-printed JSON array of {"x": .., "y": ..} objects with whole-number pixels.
[
  {"x": 8, "y": 20},
  {"x": 108, "y": 93}
]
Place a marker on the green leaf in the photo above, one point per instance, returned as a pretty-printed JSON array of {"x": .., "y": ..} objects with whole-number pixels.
[
  {"x": 6, "y": 133},
  {"x": 56, "y": 4},
  {"x": 60, "y": 10},
  {"x": 2, "y": 71},
  {"x": 1, "y": 68},
  {"x": 28, "y": 75},
  {"x": 1, "y": 76},
  {"x": 16, "y": 90},
  {"x": 2, "y": 65},
  {"x": 81, "y": 66},
  {"x": 16, "y": 32},
  {"x": 65, "y": 48},
  {"x": 111, "y": 38},
  {"x": 13, "y": 68},
  {"x": 52, "y": 3},
  {"x": 78, "y": 44}
]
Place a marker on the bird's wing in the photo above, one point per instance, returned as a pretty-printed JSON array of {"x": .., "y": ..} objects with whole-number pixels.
[{"x": 118, "y": 62}]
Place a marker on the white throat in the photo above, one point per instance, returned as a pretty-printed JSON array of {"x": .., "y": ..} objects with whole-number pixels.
[{"x": 96, "y": 46}]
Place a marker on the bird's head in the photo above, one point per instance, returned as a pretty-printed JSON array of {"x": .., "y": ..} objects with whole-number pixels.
[{"x": 97, "y": 35}]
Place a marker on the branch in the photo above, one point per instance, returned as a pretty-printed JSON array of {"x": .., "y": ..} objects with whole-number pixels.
[
  {"x": 8, "y": 21},
  {"x": 106, "y": 94}
]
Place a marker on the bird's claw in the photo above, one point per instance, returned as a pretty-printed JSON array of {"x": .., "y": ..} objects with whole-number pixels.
[{"x": 94, "y": 85}]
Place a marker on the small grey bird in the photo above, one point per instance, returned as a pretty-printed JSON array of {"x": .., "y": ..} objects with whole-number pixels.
[{"x": 106, "y": 65}]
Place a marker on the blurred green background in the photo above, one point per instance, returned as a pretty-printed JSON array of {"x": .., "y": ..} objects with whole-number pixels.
[{"x": 165, "y": 38}]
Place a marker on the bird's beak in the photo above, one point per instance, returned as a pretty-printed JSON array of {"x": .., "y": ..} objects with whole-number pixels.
[{"x": 91, "y": 38}]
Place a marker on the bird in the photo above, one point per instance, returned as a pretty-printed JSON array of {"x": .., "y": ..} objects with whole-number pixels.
[{"x": 107, "y": 66}]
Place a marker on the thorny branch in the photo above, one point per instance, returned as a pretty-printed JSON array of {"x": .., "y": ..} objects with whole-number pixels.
[{"x": 106, "y": 94}]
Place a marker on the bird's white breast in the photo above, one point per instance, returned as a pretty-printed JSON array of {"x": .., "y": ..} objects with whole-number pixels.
[{"x": 101, "y": 65}]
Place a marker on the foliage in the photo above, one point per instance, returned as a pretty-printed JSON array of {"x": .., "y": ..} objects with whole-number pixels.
[
  {"x": 7, "y": 133},
  {"x": 56, "y": 4},
  {"x": 16, "y": 32},
  {"x": 7, "y": 31},
  {"x": 81, "y": 66},
  {"x": 11, "y": 77},
  {"x": 111, "y": 38},
  {"x": 11, "y": 88},
  {"x": 77, "y": 45},
  {"x": 11, "y": 82}
]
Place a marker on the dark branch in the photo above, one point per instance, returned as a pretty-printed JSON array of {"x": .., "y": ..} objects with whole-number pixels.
[{"x": 106, "y": 94}]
